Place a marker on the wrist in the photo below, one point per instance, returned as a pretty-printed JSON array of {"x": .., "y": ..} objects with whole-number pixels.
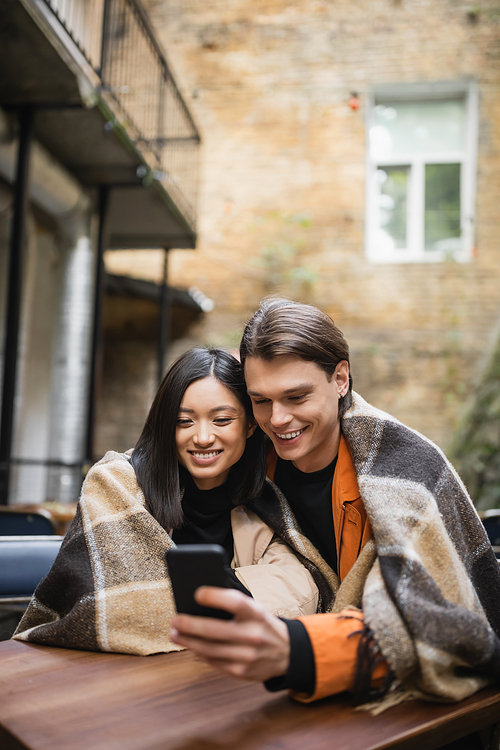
[{"x": 283, "y": 656}]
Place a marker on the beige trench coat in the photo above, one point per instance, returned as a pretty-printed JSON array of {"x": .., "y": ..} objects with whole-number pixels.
[{"x": 269, "y": 569}]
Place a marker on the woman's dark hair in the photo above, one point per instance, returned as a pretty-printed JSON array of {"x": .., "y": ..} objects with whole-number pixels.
[
  {"x": 282, "y": 326},
  {"x": 154, "y": 457}
]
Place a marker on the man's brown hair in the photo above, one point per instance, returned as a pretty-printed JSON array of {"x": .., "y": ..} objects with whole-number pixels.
[{"x": 282, "y": 326}]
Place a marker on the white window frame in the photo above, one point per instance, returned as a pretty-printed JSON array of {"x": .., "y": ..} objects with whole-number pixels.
[{"x": 415, "y": 252}]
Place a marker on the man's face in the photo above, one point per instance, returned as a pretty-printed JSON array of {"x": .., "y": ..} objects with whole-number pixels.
[{"x": 296, "y": 405}]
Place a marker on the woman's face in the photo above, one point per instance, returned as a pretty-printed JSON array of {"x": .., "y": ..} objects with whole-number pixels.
[{"x": 212, "y": 429}]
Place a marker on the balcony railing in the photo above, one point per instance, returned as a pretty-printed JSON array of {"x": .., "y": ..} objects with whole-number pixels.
[{"x": 117, "y": 40}]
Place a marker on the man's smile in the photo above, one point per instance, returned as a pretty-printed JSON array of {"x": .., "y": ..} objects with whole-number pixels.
[{"x": 290, "y": 435}]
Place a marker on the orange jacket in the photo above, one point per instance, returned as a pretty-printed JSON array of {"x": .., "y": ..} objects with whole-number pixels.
[{"x": 335, "y": 653}]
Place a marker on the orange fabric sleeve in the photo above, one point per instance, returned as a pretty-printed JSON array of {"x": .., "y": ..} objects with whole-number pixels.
[{"x": 335, "y": 654}]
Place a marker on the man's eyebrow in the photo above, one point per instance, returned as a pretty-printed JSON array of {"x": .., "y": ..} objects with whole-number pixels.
[
  {"x": 294, "y": 389},
  {"x": 299, "y": 387}
]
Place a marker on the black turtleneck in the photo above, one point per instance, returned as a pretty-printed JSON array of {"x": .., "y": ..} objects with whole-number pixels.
[
  {"x": 207, "y": 515},
  {"x": 310, "y": 498},
  {"x": 207, "y": 520}
]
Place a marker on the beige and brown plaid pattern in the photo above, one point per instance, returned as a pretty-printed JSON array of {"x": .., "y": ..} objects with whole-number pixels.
[
  {"x": 428, "y": 581},
  {"x": 432, "y": 595},
  {"x": 109, "y": 589}
]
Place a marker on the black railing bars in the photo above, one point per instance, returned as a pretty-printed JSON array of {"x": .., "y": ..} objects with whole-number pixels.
[{"x": 117, "y": 40}]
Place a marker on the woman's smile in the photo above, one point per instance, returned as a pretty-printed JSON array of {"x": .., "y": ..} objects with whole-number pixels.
[{"x": 204, "y": 458}]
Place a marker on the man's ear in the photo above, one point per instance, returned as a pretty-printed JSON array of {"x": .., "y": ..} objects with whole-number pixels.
[
  {"x": 251, "y": 427},
  {"x": 341, "y": 377}
]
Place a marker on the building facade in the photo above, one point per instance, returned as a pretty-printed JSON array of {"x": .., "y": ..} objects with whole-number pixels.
[{"x": 351, "y": 159}]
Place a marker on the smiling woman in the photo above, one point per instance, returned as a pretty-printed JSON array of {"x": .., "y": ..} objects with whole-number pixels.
[
  {"x": 191, "y": 403},
  {"x": 192, "y": 478},
  {"x": 211, "y": 439}
]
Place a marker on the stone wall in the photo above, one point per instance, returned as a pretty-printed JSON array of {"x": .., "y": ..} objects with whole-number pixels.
[{"x": 282, "y": 201}]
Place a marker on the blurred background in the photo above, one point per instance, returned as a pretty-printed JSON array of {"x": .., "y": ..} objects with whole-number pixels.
[{"x": 164, "y": 166}]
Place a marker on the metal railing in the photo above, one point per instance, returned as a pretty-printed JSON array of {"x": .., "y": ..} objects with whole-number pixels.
[
  {"x": 83, "y": 20},
  {"x": 117, "y": 40}
]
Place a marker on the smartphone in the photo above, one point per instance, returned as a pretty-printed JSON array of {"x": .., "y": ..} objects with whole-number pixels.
[{"x": 194, "y": 565}]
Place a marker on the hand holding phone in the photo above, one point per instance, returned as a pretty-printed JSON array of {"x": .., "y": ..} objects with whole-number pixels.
[{"x": 191, "y": 566}]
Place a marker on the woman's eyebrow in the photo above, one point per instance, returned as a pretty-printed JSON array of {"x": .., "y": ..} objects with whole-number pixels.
[{"x": 224, "y": 407}]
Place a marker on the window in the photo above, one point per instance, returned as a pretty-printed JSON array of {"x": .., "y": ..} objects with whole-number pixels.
[{"x": 421, "y": 173}]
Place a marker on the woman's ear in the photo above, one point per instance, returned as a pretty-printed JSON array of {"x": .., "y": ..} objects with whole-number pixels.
[{"x": 251, "y": 427}]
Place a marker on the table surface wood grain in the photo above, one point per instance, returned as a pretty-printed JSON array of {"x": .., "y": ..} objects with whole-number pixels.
[{"x": 61, "y": 699}]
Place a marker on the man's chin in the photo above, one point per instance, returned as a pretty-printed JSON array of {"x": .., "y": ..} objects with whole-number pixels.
[{"x": 288, "y": 453}]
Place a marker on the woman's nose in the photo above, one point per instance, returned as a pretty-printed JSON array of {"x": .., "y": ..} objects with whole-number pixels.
[{"x": 204, "y": 435}]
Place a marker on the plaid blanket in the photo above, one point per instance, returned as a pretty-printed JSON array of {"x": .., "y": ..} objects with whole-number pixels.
[
  {"x": 109, "y": 588},
  {"x": 428, "y": 582}
]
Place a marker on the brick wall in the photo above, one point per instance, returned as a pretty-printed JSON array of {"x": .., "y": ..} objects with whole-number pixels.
[{"x": 283, "y": 181}]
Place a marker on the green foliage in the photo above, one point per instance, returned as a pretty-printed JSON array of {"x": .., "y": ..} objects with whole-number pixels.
[
  {"x": 442, "y": 203},
  {"x": 284, "y": 257},
  {"x": 396, "y": 188},
  {"x": 476, "y": 446},
  {"x": 227, "y": 339}
]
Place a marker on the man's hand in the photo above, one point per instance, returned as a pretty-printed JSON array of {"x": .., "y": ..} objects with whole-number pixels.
[{"x": 254, "y": 645}]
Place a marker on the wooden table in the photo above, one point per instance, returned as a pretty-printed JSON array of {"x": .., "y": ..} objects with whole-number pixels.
[{"x": 58, "y": 699}]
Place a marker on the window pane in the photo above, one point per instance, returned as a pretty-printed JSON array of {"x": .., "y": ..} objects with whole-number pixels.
[
  {"x": 417, "y": 127},
  {"x": 393, "y": 184},
  {"x": 442, "y": 207}
]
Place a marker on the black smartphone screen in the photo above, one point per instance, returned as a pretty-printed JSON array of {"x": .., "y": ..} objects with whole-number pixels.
[{"x": 191, "y": 566}]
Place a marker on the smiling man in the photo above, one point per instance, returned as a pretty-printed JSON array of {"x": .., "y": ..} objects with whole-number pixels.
[
  {"x": 414, "y": 607},
  {"x": 296, "y": 405}
]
